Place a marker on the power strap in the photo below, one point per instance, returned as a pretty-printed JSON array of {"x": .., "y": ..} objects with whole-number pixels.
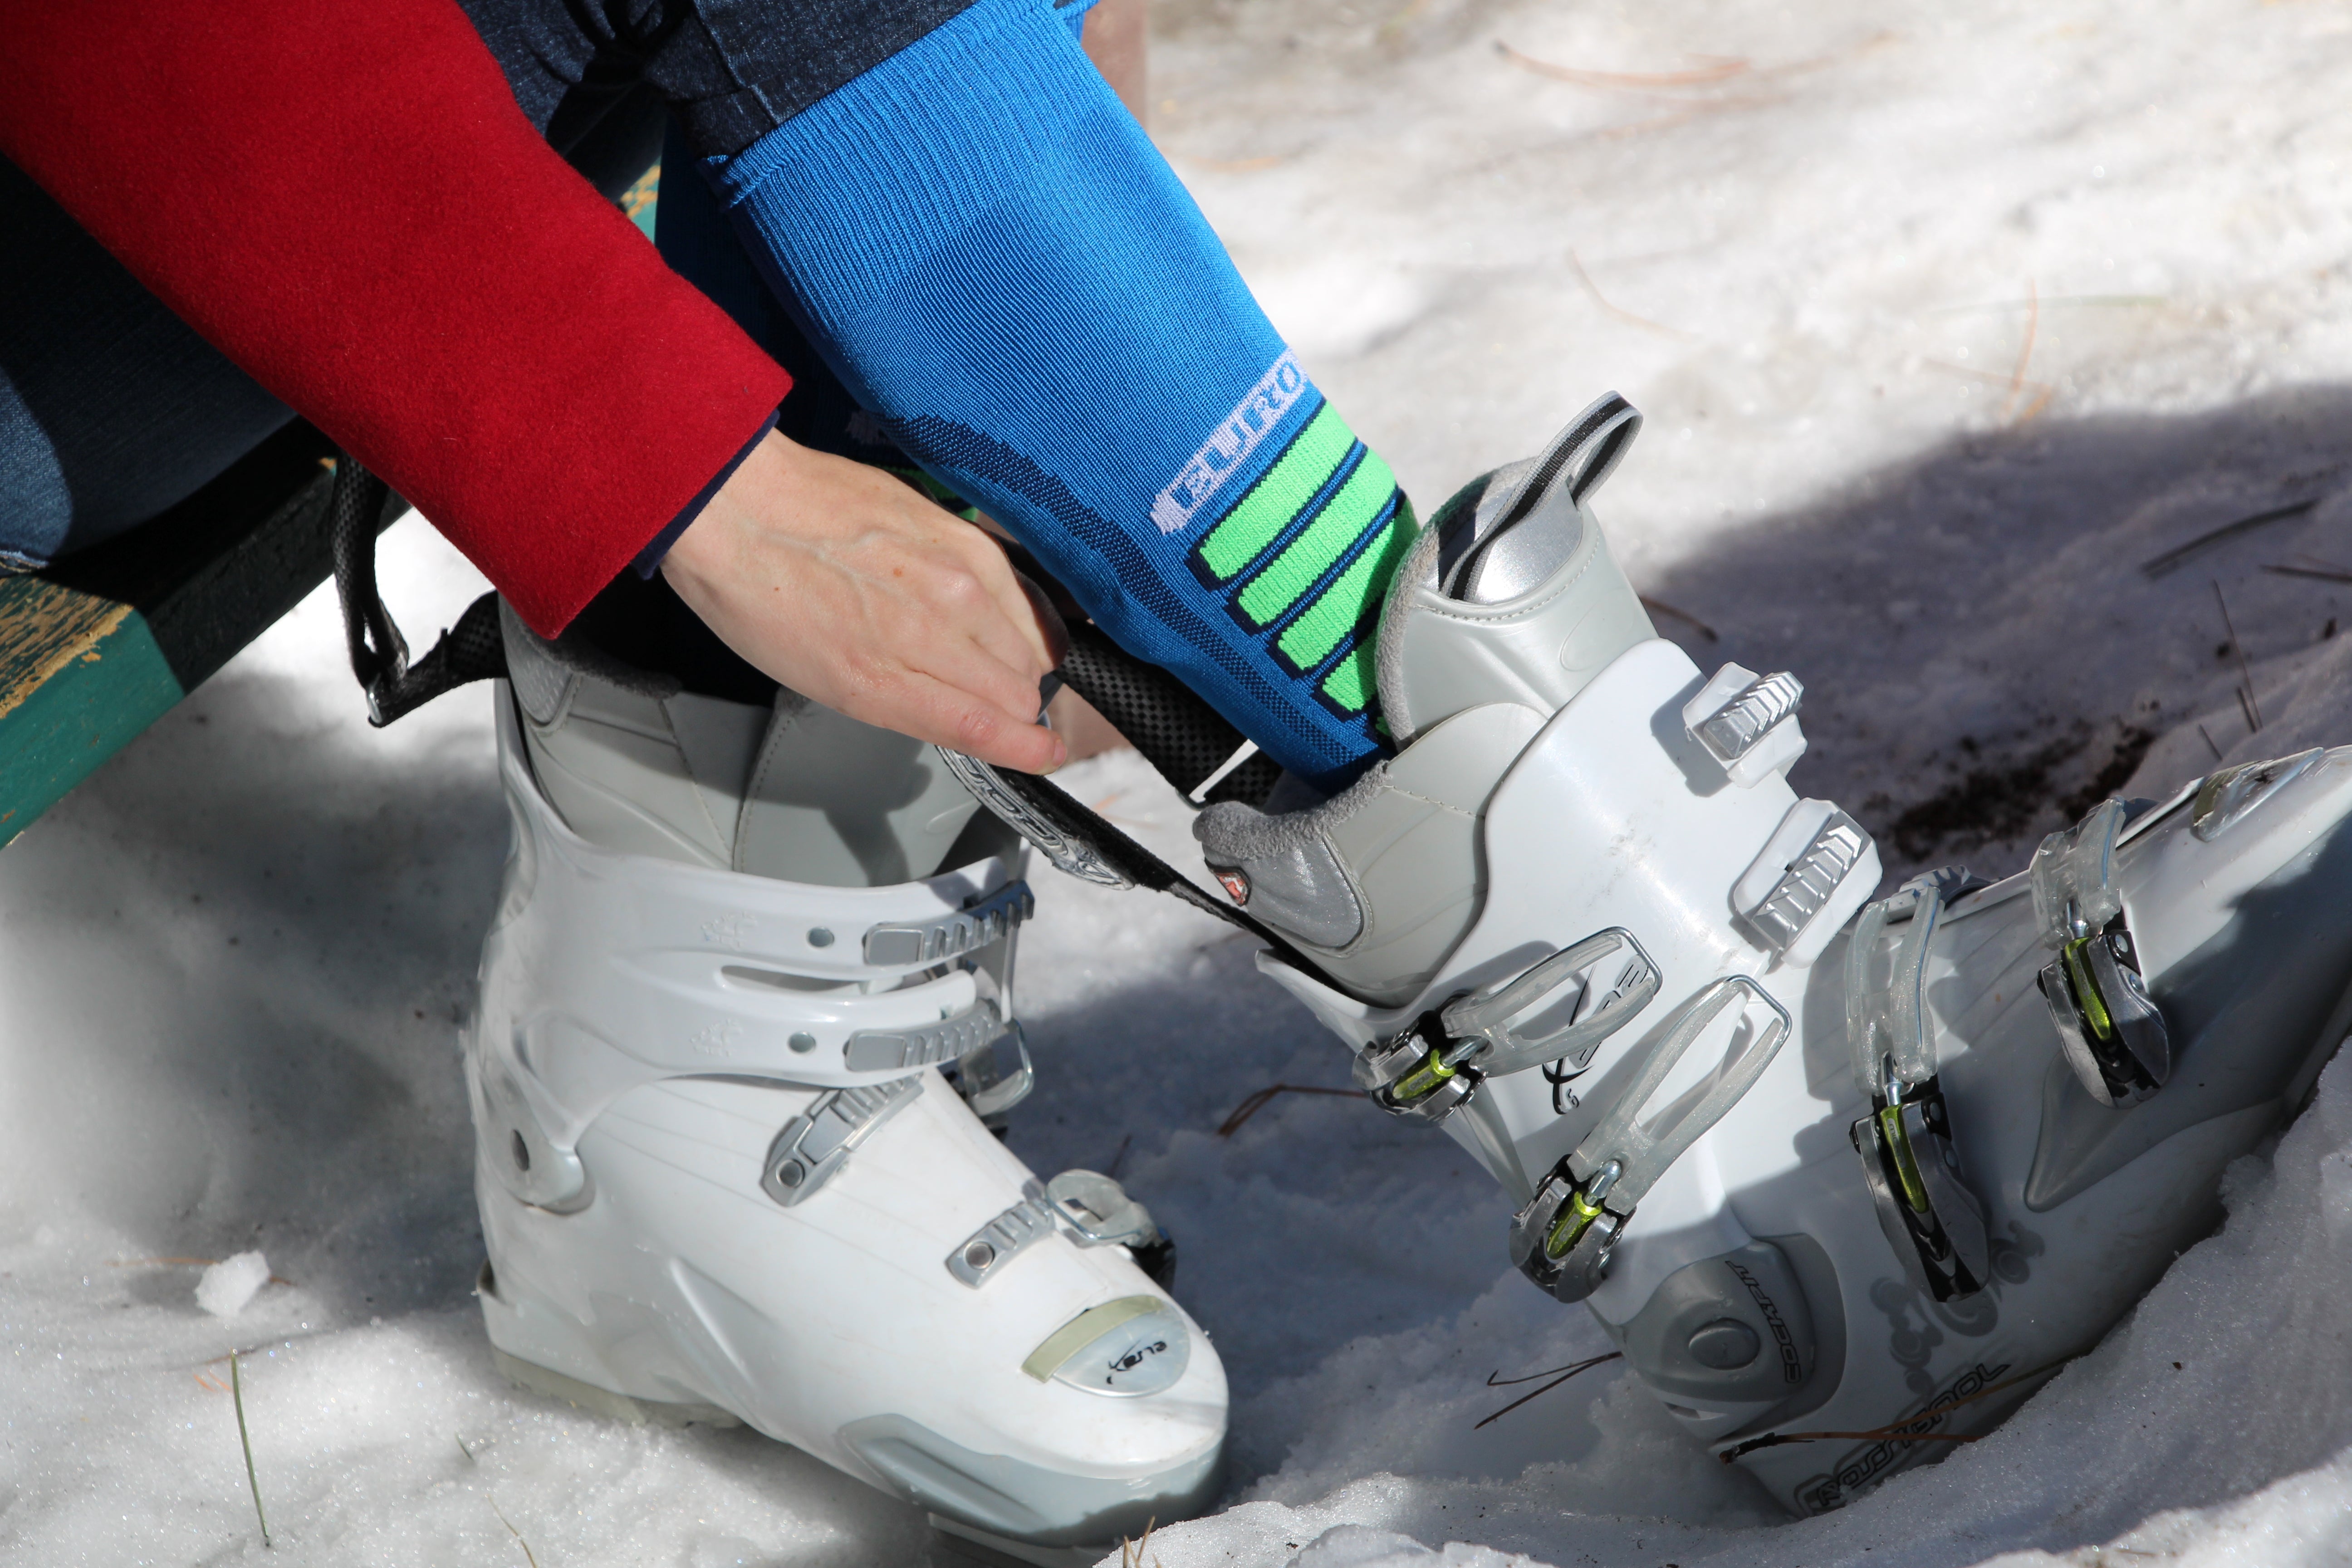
[
  {"x": 1079, "y": 842},
  {"x": 359, "y": 508},
  {"x": 1177, "y": 732}
]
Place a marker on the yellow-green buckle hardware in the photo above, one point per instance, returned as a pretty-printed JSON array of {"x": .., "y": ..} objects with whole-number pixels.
[
  {"x": 2088, "y": 1000},
  {"x": 1424, "y": 1079},
  {"x": 1576, "y": 1214},
  {"x": 1906, "y": 1164}
]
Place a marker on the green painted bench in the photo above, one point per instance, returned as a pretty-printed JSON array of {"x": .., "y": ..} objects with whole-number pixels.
[{"x": 96, "y": 649}]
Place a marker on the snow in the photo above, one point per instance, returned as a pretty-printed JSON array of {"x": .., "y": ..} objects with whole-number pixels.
[
  {"x": 226, "y": 1287},
  {"x": 1945, "y": 320}
]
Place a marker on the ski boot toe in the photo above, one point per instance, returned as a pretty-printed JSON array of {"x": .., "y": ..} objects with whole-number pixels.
[{"x": 907, "y": 1324}]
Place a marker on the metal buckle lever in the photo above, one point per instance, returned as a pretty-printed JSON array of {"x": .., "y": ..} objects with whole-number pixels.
[
  {"x": 996, "y": 1077},
  {"x": 1485, "y": 1016},
  {"x": 1091, "y": 1208},
  {"x": 1563, "y": 1238},
  {"x": 1583, "y": 1207},
  {"x": 1420, "y": 1073},
  {"x": 2113, "y": 1035},
  {"x": 1931, "y": 1220},
  {"x": 1434, "y": 1068}
]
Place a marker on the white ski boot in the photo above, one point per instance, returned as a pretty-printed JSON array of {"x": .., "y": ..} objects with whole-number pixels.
[
  {"x": 1817, "y": 1176},
  {"x": 746, "y": 1005}
]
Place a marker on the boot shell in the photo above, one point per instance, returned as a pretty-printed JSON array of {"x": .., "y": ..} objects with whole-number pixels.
[
  {"x": 653, "y": 1038},
  {"x": 1754, "y": 1288}
]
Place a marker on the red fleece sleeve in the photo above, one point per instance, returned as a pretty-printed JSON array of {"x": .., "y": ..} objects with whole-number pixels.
[{"x": 346, "y": 201}]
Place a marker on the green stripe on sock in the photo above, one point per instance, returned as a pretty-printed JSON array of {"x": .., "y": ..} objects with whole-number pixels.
[
  {"x": 1261, "y": 515},
  {"x": 1340, "y": 523},
  {"x": 1342, "y": 607},
  {"x": 1349, "y": 687}
]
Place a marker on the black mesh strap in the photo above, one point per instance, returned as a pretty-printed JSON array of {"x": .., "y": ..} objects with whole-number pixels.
[
  {"x": 355, "y": 511},
  {"x": 1178, "y": 734},
  {"x": 472, "y": 650}
]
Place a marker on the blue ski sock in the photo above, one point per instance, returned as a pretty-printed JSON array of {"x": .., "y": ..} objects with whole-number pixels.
[{"x": 994, "y": 257}]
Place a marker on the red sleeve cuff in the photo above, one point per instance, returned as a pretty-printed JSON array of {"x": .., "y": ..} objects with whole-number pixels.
[
  {"x": 650, "y": 558},
  {"x": 346, "y": 201}
]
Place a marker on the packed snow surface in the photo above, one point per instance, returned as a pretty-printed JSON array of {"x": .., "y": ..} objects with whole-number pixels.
[
  {"x": 1946, "y": 319},
  {"x": 224, "y": 1288}
]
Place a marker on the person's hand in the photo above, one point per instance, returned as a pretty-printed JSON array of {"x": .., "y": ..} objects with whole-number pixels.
[{"x": 856, "y": 592}]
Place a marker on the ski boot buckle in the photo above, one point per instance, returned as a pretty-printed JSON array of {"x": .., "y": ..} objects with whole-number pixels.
[
  {"x": 1933, "y": 1223},
  {"x": 1562, "y": 1238},
  {"x": 1091, "y": 1208},
  {"x": 1435, "y": 1067},
  {"x": 2114, "y": 1036}
]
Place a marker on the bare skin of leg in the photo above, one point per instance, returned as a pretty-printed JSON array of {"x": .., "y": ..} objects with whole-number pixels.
[{"x": 1115, "y": 39}]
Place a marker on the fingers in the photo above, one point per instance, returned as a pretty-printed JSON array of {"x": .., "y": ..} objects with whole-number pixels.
[
  {"x": 946, "y": 715},
  {"x": 850, "y": 588},
  {"x": 985, "y": 681}
]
